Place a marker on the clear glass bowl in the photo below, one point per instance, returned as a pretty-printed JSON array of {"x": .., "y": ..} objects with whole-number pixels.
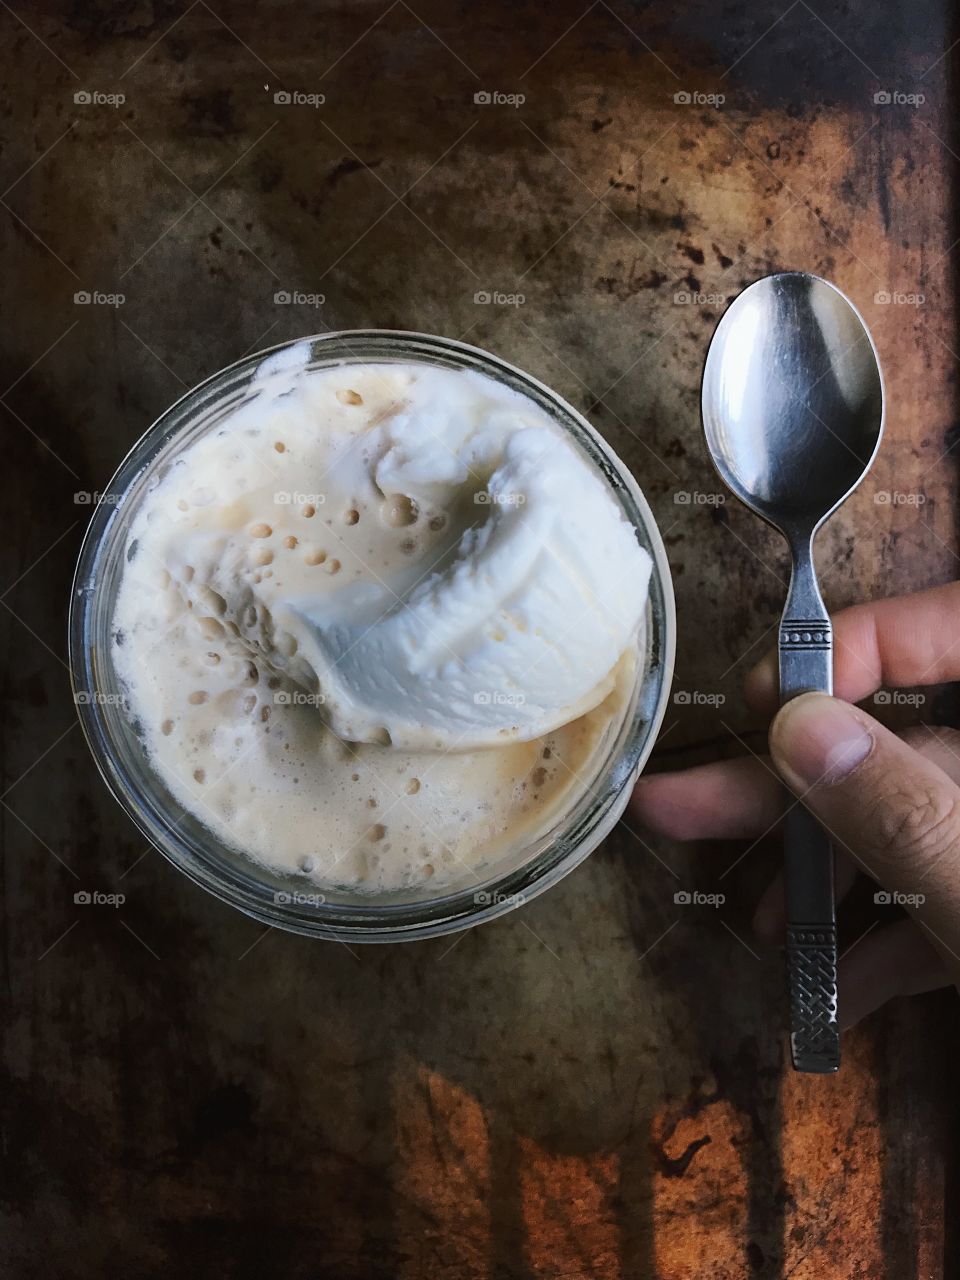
[{"x": 286, "y": 902}]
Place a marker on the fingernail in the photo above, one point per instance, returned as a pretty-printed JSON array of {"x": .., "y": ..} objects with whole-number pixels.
[{"x": 819, "y": 739}]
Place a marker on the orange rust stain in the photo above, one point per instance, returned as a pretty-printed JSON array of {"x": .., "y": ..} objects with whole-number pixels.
[
  {"x": 442, "y": 1178},
  {"x": 832, "y": 1160},
  {"x": 700, "y": 1194},
  {"x": 569, "y": 1213}
]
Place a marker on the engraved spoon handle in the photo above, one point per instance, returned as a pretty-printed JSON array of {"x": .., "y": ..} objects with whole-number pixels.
[{"x": 806, "y": 663}]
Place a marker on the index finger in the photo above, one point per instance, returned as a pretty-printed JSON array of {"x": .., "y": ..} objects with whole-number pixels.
[{"x": 901, "y": 642}]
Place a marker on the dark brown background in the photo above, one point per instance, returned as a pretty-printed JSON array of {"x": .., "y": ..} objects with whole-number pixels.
[{"x": 595, "y": 1085}]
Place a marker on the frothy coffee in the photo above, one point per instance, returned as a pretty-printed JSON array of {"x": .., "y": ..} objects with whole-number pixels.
[{"x": 379, "y": 624}]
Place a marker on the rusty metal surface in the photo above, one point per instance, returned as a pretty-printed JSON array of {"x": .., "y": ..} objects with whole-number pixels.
[{"x": 595, "y": 1085}]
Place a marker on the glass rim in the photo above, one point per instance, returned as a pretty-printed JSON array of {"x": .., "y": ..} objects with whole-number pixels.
[{"x": 565, "y": 845}]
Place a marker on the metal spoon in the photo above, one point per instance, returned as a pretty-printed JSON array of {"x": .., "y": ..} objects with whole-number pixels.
[{"x": 793, "y": 413}]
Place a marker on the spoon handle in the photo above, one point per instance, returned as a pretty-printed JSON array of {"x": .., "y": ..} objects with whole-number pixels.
[{"x": 806, "y": 663}]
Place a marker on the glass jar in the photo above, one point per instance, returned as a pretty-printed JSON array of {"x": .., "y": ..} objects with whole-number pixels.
[{"x": 283, "y": 901}]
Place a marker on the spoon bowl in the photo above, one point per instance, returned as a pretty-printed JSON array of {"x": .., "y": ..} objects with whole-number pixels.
[{"x": 792, "y": 400}]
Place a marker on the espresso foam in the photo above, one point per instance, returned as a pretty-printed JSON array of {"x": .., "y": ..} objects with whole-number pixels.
[{"x": 278, "y": 502}]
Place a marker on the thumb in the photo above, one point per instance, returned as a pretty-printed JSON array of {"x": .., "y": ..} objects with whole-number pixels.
[{"x": 897, "y": 813}]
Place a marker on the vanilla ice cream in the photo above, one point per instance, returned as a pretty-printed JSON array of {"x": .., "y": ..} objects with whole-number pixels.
[{"x": 379, "y": 620}]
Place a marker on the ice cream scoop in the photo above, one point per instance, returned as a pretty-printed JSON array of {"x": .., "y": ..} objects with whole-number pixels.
[{"x": 519, "y": 631}]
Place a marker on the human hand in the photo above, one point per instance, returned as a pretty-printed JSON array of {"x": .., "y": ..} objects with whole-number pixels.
[{"x": 890, "y": 802}]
